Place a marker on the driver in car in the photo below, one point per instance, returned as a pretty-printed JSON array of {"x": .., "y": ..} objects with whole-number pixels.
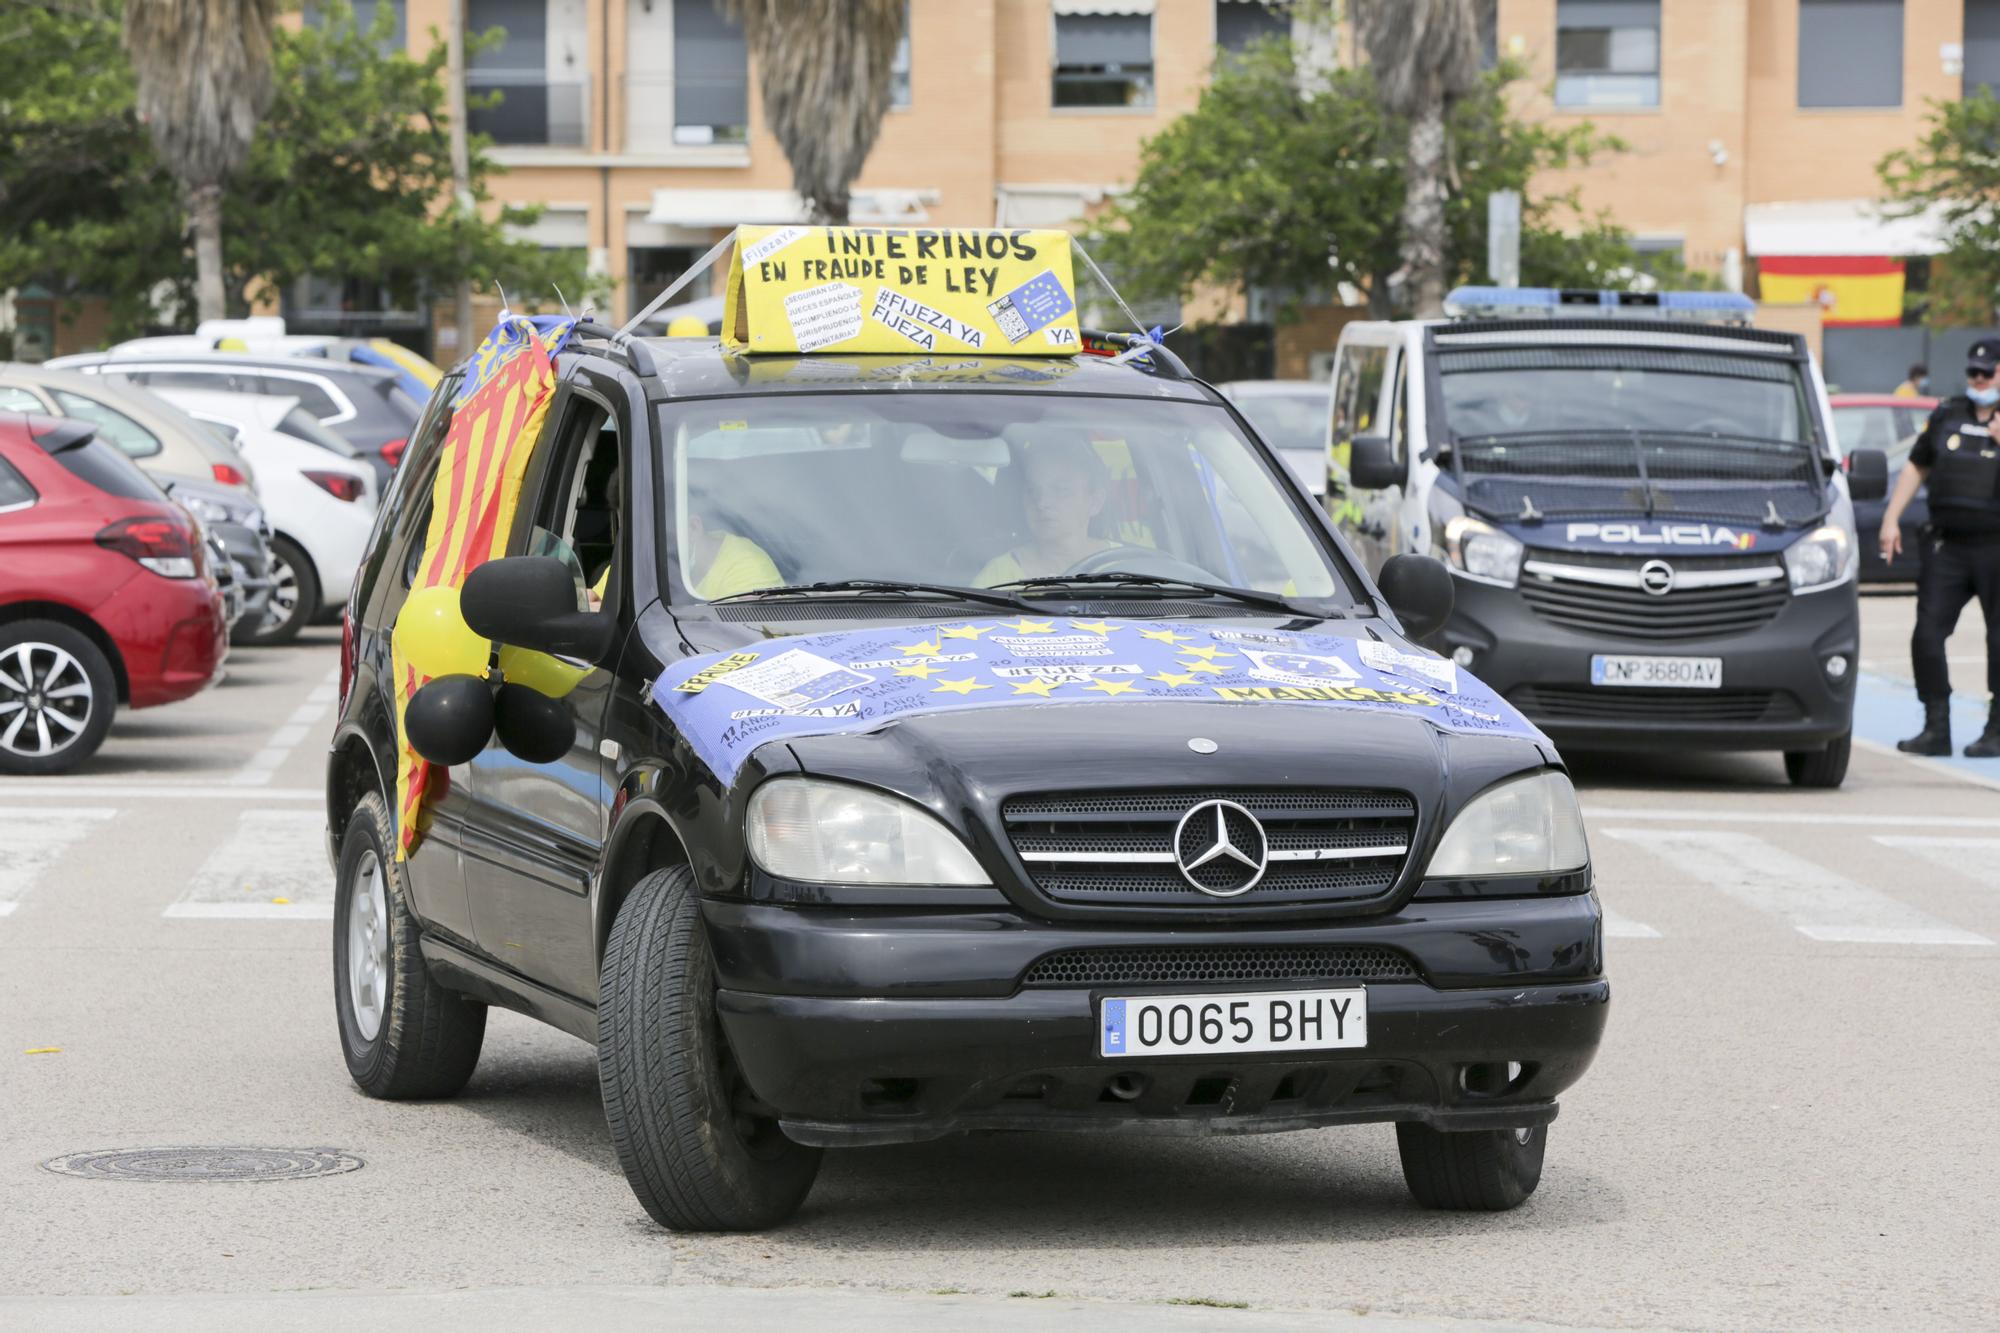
[{"x": 1067, "y": 486}]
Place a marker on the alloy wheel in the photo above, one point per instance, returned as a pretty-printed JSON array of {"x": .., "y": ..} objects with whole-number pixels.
[
  {"x": 284, "y": 593},
  {"x": 45, "y": 699},
  {"x": 368, "y": 947}
]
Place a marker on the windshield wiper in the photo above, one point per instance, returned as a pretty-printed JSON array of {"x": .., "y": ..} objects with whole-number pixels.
[
  {"x": 898, "y": 586},
  {"x": 1117, "y": 578}
]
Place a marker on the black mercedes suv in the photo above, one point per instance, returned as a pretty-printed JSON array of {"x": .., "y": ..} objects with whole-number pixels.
[{"x": 881, "y": 748}]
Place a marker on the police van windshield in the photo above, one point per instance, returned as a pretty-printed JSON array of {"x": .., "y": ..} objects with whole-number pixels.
[
  {"x": 978, "y": 490},
  {"x": 1562, "y": 399}
]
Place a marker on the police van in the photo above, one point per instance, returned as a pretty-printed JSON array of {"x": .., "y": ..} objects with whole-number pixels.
[{"x": 1642, "y": 502}]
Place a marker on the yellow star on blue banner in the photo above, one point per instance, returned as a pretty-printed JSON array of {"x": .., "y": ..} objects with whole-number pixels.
[
  {"x": 1102, "y": 686},
  {"x": 921, "y": 670},
  {"x": 1095, "y": 627},
  {"x": 1172, "y": 678},
  {"x": 966, "y": 686},
  {"x": 1026, "y": 626},
  {"x": 1206, "y": 668},
  {"x": 963, "y": 631},
  {"x": 1209, "y": 654},
  {"x": 1165, "y": 636},
  {"x": 929, "y": 649},
  {"x": 1038, "y": 688}
]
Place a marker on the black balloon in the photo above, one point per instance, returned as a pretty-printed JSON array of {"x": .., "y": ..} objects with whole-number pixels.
[
  {"x": 450, "y": 719},
  {"x": 531, "y": 725}
]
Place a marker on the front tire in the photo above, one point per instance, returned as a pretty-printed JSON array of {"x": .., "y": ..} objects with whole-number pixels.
[
  {"x": 404, "y": 1035},
  {"x": 1482, "y": 1170},
  {"x": 699, "y": 1150},
  {"x": 1820, "y": 768},
  {"x": 57, "y": 696}
]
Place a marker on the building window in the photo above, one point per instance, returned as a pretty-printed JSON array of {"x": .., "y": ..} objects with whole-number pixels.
[
  {"x": 1851, "y": 52},
  {"x": 536, "y": 103},
  {"x": 1607, "y": 53},
  {"x": 711, "y": 75},
  {"x": 899, "y": 68},
  {"x": 1486, "y": 13},
  {"x": 1104, "y": 60},
  {"x": 1241, "y": 24},
  {"x": 1982, "y": 46}
]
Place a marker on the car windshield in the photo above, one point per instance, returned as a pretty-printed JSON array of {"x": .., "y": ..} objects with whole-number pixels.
[
  {"x": 980, "y": 489},
  {"x": 1765, "y": 401},
  {"x": 1289, "y": 421}
]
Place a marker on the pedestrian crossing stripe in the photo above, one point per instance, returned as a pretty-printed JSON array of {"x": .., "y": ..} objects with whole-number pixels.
[
  {"x": 272, "y": 866},
  {"x": 34, "y": 840}
]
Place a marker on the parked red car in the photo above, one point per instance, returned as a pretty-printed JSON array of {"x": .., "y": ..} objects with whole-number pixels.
[{"x": 105, "y": 594}]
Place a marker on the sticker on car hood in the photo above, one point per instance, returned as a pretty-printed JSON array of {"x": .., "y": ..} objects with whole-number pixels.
[{"x": 727, "y": 704}]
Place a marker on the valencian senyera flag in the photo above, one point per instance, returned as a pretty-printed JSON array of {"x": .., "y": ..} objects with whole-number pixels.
[{"x": 496, "y": 417}]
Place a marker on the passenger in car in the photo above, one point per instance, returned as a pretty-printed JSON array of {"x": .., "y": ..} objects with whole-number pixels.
[
  {"x": 1067, "y": 485},
  {"x": 722, "y": 563}
]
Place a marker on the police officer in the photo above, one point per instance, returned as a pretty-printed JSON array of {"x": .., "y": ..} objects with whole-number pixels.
[{"x": 1959, "y": 454}]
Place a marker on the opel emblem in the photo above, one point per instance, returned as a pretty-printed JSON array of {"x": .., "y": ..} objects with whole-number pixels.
[
  {"x": 1657, "y": 577},
  {"x": 1220, "y": 848},
  {"x": 1202, "y": 745}
]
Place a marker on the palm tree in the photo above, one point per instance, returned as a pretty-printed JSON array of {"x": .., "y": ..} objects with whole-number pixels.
[
  {"x": 1425, "y": 56},
  {"x": 204, "y": 76},
  {"x": 823, "y": 72}
]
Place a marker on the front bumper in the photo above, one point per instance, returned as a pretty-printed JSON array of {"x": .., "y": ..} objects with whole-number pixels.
[
  {"x": 1544, "y": 670},
  {"x": 845, "y": 1023}
]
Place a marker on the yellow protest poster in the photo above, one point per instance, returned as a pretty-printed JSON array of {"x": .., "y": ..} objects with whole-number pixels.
[{"x": 901, "y": 290}]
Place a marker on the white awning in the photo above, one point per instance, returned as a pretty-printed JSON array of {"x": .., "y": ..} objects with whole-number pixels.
[
  {"x": 727, "y": 208},
  {"x": 1840, "y": 227},
  {"x": 1103, "y": 6},
  {"x": 1045, "y": 205}
]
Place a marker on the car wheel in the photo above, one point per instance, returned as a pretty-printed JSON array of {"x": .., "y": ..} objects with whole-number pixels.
[
  {"x": 1481, "y": 1170},
  {"x": 404, "y": 1035},
  {"x": 1820, "y": 768},
  {"x": 57, "y": 696},
  {"x": 698, "y": 1148},
  {"x": 294, "y": 595}
]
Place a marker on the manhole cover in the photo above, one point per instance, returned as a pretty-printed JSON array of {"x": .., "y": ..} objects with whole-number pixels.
[{"x": 204, "y": 1164}]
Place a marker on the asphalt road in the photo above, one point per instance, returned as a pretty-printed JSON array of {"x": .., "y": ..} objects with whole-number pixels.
[{"x": 1789, "y": 1124}]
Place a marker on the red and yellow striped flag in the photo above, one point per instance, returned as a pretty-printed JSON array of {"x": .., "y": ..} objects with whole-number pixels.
[
  {"x": 1851, "y": 290},
  {"x": 497, "y": 416}
]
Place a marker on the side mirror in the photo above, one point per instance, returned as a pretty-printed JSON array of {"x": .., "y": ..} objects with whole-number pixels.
[
  {"x": 1867, "y": 474},
  {"x": 529, "y": 601},
  {"x": 1418, "y": 589},
  {"x": 1372, "y": 463}
]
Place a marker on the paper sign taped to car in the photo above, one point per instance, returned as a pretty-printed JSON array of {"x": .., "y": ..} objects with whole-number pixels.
[{"x": 915, "y": 290}]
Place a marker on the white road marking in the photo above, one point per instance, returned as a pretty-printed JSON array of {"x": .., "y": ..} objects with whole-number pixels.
[
  {"x": 1685, "y": 816},
  {"x": 1976, "y": 859},
  {"x": 1820, "y": 904},
  {"x": 272, "y": 865},
  {"x": 1617, "y": 927},
  {"x": 257, "y": 770},
  {"x": 1937, "y": 766},
  {"x": 33, "y": 840},
  {"x": 166, "y": 789}
]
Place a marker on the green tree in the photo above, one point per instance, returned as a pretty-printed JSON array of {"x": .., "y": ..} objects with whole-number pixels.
[
  {"x": 1954, "y": 169},
  {"x": 349, "y": 175},
  {"x": 1293, "y": 180}
]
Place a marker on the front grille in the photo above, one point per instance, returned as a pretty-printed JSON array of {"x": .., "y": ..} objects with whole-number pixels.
[
  {"x": 1117, "y": 848},
  {"x": 1633, "y": 613},
  {"x": 1220, "y": 964},
  {"x": 1585, "y": 703}
]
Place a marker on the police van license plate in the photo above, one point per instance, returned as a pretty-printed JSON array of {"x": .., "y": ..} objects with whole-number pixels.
[
  {"x": 1222, "y": 1024},
  {"x": 1684, "y": 673}
]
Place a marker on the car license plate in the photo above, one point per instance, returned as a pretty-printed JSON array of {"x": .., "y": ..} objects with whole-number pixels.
[
  {"x": 1259, "y": 1021},
  {"x": 1687, "y": 673}
]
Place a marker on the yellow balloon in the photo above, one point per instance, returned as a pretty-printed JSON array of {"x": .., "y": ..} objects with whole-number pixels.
[
  {"x": 432, "y": 636},
  {"x": 538, "y": 671},
  {"x": 687, "y": 326}
]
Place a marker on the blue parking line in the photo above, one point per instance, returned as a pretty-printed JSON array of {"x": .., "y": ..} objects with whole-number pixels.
[{"x": 1886, "y": 710}]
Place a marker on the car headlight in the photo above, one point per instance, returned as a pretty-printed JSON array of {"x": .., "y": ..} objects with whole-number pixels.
[
  {"x": 203, "y": 508},
  {"x": 1524, "y": 826},
  {"x": 1821, "y": 559},
  {"x": 831, "y": 833},
  {"x": 1481, "y": 551}
]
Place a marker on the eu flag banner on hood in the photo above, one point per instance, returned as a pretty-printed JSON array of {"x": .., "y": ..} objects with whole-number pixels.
[{"x": 727, "y": 704}]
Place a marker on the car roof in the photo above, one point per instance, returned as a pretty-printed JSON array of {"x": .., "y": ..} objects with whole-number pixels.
[
  {"x": 699, "y": 368},
  {"x": 256, "y": 409},
  {"x": 311, "y": 365},
  {"x": 149, "y": 409}
]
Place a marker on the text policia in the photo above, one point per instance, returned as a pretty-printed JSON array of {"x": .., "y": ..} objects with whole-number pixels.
[{"x": 857, "y": 289}]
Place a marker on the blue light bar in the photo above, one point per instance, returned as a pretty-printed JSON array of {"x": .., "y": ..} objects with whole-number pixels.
[{"x": 1519, "y": 302}]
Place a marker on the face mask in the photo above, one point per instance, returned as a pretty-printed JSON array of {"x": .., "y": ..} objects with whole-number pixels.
[
  {"x": 1923, "y": 384},
  {"x": 1984, "y": 397}
]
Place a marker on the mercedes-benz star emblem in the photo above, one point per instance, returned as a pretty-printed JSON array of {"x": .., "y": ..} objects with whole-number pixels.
[
  {"x": 1220, "y": 848},
  {"x": 1657, "y": 577}
]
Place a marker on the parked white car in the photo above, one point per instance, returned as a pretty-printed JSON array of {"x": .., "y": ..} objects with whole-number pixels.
[{"x": 321, "y": 504}]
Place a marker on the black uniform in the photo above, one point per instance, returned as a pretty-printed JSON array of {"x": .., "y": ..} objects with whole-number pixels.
[{"x": 1961, "y": 555}]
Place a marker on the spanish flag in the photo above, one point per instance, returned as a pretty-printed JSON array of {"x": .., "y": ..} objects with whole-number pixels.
[
  {"x": 1854, "y": 291},
  {"x": 497, "y": 415}
]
